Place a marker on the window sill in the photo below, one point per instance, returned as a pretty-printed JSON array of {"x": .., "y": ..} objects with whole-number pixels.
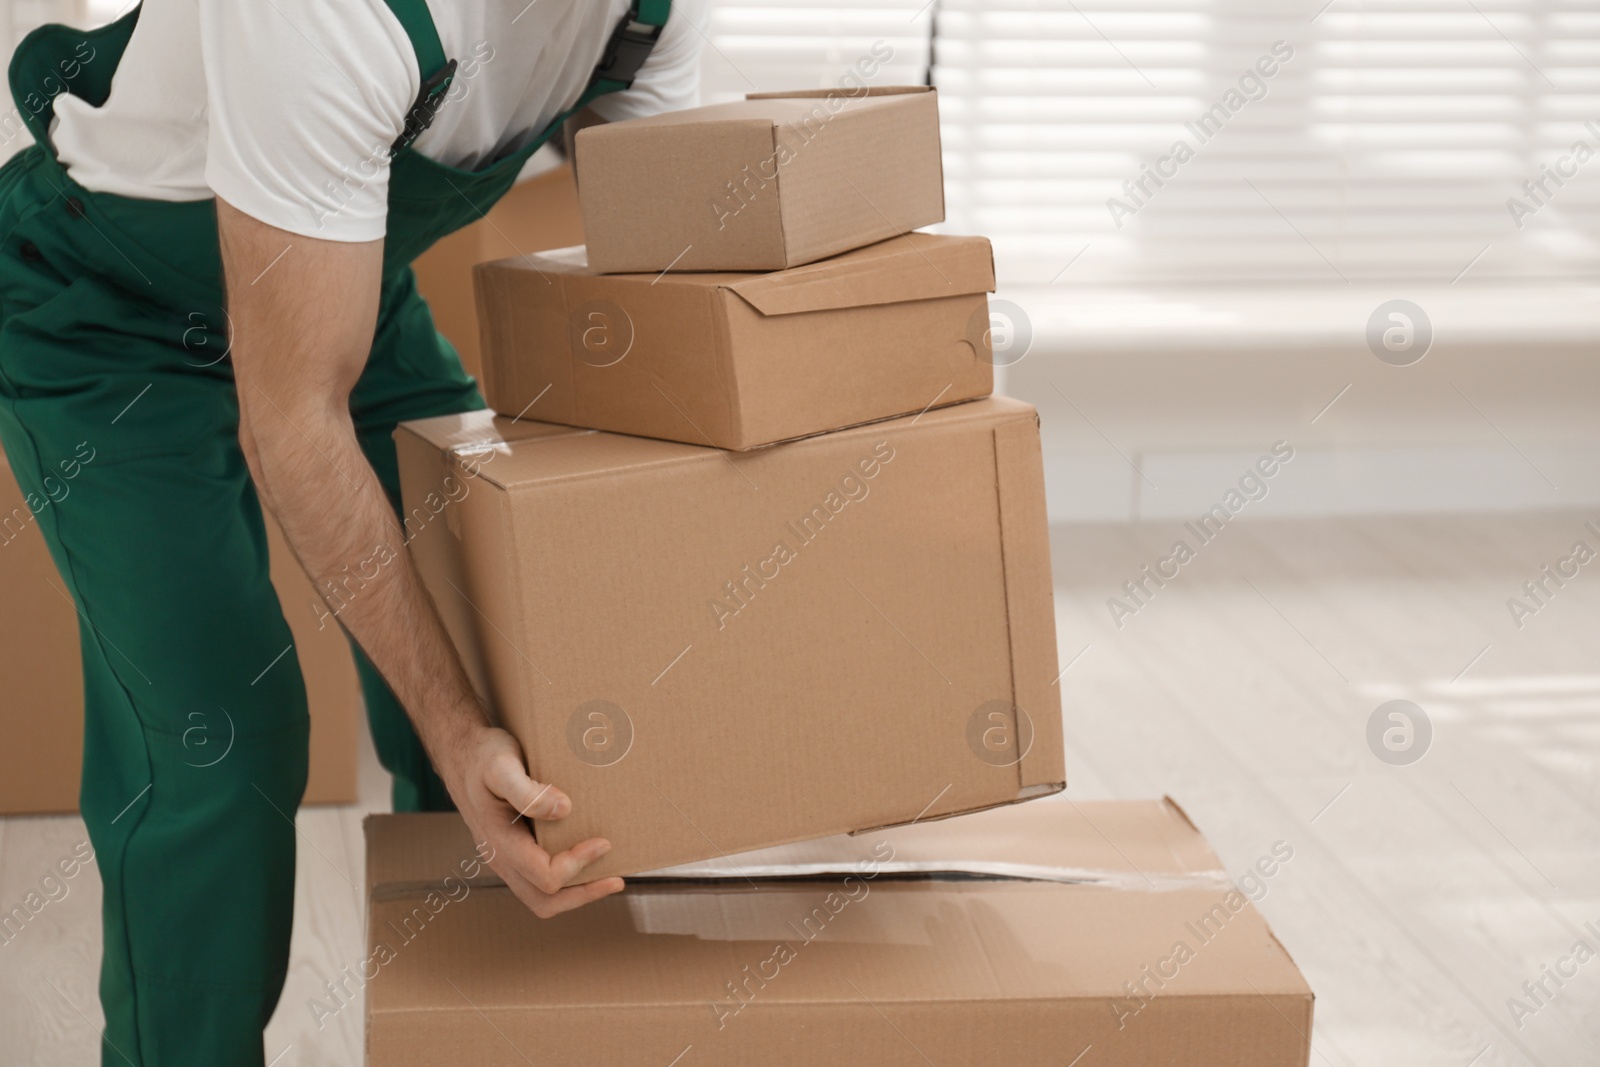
[{"x": 1073, "y": 318}]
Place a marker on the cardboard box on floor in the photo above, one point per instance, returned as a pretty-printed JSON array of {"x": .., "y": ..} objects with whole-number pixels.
[
  {"x": 739, "y": 360},
  {"x": 1104, "y": 925},
  {"x": 41, "y": 707},
  {"x": 712, "y": 652},
  {"x": 537, "y": 214},
  {"x": 768, "y": 182}
]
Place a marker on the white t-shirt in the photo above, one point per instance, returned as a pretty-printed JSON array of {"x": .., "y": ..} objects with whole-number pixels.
[{"x": 287, "y": 108}]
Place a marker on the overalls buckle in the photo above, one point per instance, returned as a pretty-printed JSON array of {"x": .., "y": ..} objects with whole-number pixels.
[{"x": 627, "y": 50}]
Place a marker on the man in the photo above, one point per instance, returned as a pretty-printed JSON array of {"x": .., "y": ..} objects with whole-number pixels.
[{"x": 217, "y": 172}]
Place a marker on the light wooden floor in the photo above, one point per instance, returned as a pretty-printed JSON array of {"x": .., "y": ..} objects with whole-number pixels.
[{"x": 1419, "y": 898}]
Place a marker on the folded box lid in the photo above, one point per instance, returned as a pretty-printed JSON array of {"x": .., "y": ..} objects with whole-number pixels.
[{"x": 913, "y": 266}]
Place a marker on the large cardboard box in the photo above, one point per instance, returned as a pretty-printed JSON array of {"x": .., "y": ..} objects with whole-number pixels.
[
  {"x": 739, "y": 360},
  {"x": 41, "y": 703},
  {"x": 1100, "y": 933},
  {"x": 538, "y": 213},
  {"x": 713, "y": 652},
  {"x": 772, "y": 181}
]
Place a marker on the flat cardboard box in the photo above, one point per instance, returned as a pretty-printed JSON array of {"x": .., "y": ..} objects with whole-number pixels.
[
  {"x": 41, "y": 704},
  {"x": 712, "y": 652},
  {"x": 538, "y": 213},
  {"x": 847, "y": 950},
  {"x": 768, "y": 182},
  {"x": 739, "y": 360}
]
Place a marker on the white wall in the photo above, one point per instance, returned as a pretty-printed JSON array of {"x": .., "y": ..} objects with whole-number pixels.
[{"x": 1153, "y": 405}]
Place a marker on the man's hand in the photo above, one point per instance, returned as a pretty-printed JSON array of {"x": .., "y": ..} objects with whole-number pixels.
[
  {"x": 303, "y": 314},
  {"x": 496, "y": 793}
]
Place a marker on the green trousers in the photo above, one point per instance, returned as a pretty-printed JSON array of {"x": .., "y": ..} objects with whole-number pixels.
[{"x": 120, "y": 422}]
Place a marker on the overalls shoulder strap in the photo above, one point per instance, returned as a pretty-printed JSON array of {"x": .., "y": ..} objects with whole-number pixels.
[
  {"x": 636, "y": 34},
  {"x": 427, "y": 198},
  {"x": 433, "y": 67},
  {"x": 630, "y": 45}
]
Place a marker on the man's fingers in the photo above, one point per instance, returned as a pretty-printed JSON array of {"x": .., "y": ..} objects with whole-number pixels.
[
  {"x": 546, "y": 873},
  {"x": 510, "y": 782},
  {"x": 516, "y": 850},
  {"x": 522, "y": 854},
  {"x": 524, "y": 890},
  {"x": 564, "y": 866},
  {"x": 579, "y": 895},
  {"x": 545, "y": 904}
]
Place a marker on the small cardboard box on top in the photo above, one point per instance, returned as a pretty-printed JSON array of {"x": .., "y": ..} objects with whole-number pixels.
[
  {"x": 768, "y": 182},
  {"x": 712, "y": 652},
  {"x": 739, "y": 361},
  {"x": 1020, "y": 936}
]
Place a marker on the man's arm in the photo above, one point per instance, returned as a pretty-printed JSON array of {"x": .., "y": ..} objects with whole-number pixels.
[{"x": 303, "y": 313}]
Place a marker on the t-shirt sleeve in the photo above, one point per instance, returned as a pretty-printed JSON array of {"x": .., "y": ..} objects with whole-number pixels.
[
  {"x": 670, "y": 77},
  {"x": 304, "y": 98}
]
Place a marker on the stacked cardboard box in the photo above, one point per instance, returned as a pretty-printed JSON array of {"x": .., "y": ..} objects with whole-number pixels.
[
  {"x": 844, "y": 620},
  {"x": 1037, "y": 935},
  {"x": 747, "y": 556},
  {"x": 713, "y": 652}
]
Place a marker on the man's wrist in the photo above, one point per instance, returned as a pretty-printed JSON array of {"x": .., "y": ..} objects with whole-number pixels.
[{"x": 453, "y": 734}]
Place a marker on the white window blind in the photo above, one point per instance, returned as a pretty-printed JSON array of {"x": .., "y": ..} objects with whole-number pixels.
[
  {"x": 765, "y": 45},
  {"x": 1387, "y": 147},
  {"x": 1394, "y": 144}
]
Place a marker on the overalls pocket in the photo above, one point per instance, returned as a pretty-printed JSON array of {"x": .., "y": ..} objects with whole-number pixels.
[{"x": 131, "y": 380}]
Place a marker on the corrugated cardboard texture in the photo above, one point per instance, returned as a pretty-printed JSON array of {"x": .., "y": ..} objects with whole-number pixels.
[
  {"x": 855, "y": 965},
  {"x": 769, "y": 182},
  {"x": 739, "y": 360},
  {"x": 793, "y": 642},
  {"x": 41, "y": 704}
]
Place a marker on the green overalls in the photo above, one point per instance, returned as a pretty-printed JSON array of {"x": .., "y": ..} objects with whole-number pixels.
[{"x": 120, "y": 421}]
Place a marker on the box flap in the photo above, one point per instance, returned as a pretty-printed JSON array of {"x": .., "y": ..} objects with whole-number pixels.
[
  {"x": 476, "y": 430},
  {"x": 1146, "y": 844},
  {"x": 1143, "y": 844},
  {"x": 575, "y": 260},
  {"x": 529, "y": 453},
  {"x": 913, "y": 266},
  {"x": 1025, "y": 542},
  {"x": 474, "y": 434}
]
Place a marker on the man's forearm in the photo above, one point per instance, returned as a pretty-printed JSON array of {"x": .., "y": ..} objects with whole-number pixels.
[
  {"x": 304, "y": 312},
  {"x": 318, "y": 483}
]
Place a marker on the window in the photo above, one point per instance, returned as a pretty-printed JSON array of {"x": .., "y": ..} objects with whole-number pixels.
[
  {"x": 1385, "y": 144},
  {"x": 1141, "y": 142}
]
